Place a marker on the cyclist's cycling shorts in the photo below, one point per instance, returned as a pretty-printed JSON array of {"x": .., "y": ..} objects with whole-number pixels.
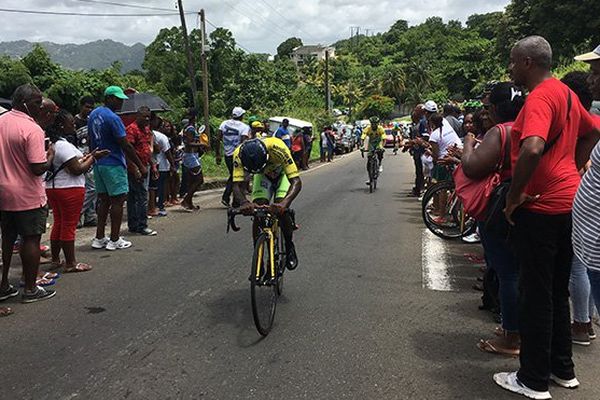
[{"x": 265, "y": 188}]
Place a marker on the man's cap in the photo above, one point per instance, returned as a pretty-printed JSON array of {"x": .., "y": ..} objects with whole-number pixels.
[
  {"x": 591, "y": 56},
  {"x": 430, "y": 106},
  {"x": 115, "y": 91},
  {"x": 257, "y": 124},
  {"x": 238, "y": 112}
]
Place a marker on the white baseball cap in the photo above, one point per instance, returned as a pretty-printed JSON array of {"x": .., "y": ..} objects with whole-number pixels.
[
  {"x": 238, "y": 112},
  {"x": 431, "y": 106},
  {"x": 591, "y": 56}
]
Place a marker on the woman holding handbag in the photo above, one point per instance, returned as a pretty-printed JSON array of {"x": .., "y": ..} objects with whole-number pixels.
[{"x": 487, "y": 165}]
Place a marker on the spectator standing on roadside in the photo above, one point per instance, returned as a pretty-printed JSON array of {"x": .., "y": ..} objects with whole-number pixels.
[
  {"x": 165, "y": 165},
  {"x": 283, "y": 133},
  {"x": 23, "y": 160},
  {"x": 298, "y": 147},
  {"x": 107, "y": 132},
  {"x": 193, "y": 148},
  {"x": 451, "y": 114},
  {"x": 586, "y": 209},
  {"x": 232, "y": 133},
  {"x": 88, "y": 212},
  {"x": 308, "y": 143},
  {"x": 140, "y": 137},
  {"x": 65, "y": 188},
  {"x": 551, "y": 140}
]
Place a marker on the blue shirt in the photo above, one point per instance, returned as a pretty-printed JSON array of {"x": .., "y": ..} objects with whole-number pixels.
[
  {"x": 104, "y": 129},
  {"x": 284, "y": 134}
]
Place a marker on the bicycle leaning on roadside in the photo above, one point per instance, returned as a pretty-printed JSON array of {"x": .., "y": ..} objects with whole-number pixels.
[
  {"x": 372, "y": 167},
  {"x": 268, "y": 265}
]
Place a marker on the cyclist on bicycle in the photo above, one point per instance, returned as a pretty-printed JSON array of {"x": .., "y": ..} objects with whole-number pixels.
[
  {"x": 275, "y": 175},
  {"x": 376, "y": 135}
]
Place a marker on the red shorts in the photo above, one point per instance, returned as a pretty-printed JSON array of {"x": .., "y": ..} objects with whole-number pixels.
[{"x": 66, "y": 206}]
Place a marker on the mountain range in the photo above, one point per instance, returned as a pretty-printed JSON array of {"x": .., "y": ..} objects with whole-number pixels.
[{"x": 94, "y": 55}]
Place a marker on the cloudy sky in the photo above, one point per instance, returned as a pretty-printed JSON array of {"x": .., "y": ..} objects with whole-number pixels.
[{"x": 258, "y": 25}]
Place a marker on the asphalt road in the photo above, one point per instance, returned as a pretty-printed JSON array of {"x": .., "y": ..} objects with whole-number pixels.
[{"x": 377, "y": 309}]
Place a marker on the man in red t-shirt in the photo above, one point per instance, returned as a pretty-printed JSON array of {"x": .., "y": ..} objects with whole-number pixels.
[
  {"x": 141, "y": 138},
  {"x": 552, "y": 139}
]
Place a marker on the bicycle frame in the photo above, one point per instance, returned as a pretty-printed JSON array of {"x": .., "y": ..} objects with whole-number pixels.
[{"x": 268, "y": 226}]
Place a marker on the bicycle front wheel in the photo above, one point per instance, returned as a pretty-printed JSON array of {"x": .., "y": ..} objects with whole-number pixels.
[
  {"x": 263, "y": 293},
  {"x": 443, "y": 213}
]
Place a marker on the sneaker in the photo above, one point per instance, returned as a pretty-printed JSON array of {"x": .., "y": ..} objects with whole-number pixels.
[
  {"x": 510, "y": 382},
  {"x": 10, "y": 291},
  {"x": 162, "y": 213},
  {"x": 580, "y": 333},
  {"x": 38, "y": 295},
  {"x": 99, "y": 243},
  {"x": 118, "y": 245},
  {"x": 472, "y": 238},
  {"x": 225, "y": 203},
  {"x": 591, "y": 331},
  {"x": 565, "y": 383},
  {"x": 291, "y": 257},
  {"x": 380, "y": 168},
  {"x": 147, "y": 232},
  {"x": 367, "y": 183}
]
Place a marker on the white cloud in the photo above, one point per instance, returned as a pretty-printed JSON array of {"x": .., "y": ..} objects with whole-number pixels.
[{"x": 258, "y": 25}]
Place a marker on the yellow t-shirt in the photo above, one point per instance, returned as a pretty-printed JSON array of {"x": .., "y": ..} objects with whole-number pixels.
[
  {"x": 376, "y": 139},
  {"x": 280, "y": 160}
]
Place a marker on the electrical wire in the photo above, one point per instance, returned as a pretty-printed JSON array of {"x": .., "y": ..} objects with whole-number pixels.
[
  {"x": 295, "y": 24},
  {"x": 8, "y": 10},
  {"x": 129, "y": 5}
]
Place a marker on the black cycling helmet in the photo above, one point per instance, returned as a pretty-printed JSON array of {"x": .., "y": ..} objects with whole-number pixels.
[
  {"x": 374, "y": 119},
  {"x": 254, "y": 155}
]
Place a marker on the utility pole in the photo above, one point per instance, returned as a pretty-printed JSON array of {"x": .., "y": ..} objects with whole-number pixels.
[
  {"x": 204, "y": 73},
  {"x": 188, "y": 50},
  {"x": 327, "y": 94}
]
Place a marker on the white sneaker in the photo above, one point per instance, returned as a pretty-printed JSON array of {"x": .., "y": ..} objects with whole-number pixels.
[
  {"x": 510, "y": 382},
  {"x": 99, "y": 243},
  {"x": 118, "y": 245},
  {"x": 472, "y": 238},
  {"x": 566, "y": 383},
  {"x": 380, "y": 168}
]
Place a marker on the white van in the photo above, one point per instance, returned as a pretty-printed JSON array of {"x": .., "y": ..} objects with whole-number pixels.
[{"x": 295, "y": 124}]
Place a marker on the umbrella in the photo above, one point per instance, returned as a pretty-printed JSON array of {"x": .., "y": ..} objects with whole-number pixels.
[{"x": 137, "y": 100}]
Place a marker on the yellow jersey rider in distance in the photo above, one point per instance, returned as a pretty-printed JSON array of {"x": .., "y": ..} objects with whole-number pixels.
[
  {"x": 275, "y": 176},
  {"x": 376, "y": 135}
]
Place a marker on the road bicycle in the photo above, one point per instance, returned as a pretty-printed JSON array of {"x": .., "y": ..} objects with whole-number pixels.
[
  {"x": 268, "y": 265},
  {"x": 443, "y": 212},
  {"x": 372, "y": 167}
]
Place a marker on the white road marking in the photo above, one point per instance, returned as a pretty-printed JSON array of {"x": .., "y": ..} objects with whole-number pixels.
[{"x": 435, "y": 262}]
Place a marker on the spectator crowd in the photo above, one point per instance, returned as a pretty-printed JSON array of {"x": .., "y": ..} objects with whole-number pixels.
[{"x": 526, "y": 166}]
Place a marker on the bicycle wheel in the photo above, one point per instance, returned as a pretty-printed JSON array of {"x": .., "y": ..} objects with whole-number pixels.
[
  {"x": 263, "y": 294},
  {"x": 443, "y": 213},
  {"x": 370, "y": 172}
]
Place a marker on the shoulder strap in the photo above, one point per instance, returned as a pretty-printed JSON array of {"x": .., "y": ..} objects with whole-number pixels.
[
  {"x": 503, "y": 144},
  {"x": 552, "y": 142}
]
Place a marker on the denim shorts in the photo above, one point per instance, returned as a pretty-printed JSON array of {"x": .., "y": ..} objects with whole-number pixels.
[{"x": 192, "y": 161}]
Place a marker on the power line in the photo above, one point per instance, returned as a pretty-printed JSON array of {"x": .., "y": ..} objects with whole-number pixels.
[
  {"x": 129, "y": 5},
  {"x": 284, "y": 17},
  {"x": 236, "y": 42},
  {"x": 84, "y": 14}
]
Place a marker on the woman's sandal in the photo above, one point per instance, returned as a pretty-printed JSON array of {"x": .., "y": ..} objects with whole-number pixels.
[
  {"x": 5, "y": 311},
  {"x": 488, "y": 346},
  {"x": 79, "y": 267},
  {"x": 41, "y": 282}
]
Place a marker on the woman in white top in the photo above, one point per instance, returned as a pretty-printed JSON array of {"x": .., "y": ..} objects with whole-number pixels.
[{"x": 65, "y": 188}]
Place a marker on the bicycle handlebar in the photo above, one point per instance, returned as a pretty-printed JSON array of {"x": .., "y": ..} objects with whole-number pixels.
[{"x": 258, "y": 212}]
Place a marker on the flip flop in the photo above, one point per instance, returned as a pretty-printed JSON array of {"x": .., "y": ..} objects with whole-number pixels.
[
  {"x": 79, "y": 267},
  {"x": 488, "y": 347},
  {"x": 51, "y": 275},
  {"x": 5, "y": 311},
  {"x": 40, "y": 282},
  {"x": 187, "y": 210}
]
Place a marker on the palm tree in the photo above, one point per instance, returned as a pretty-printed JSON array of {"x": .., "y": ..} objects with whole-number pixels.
[{"x": 392, "y": 81}]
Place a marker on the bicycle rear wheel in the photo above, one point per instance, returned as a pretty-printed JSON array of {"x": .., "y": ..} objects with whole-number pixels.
[
  {"x": 263, "y": 294},
  {"x": 450, "y": 222}
]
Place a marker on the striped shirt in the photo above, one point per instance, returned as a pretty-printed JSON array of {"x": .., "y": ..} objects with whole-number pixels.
[{"x": 586, "y": 215}]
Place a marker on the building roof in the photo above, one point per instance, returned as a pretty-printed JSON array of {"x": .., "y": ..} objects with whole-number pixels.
[{"x": 309, "y": 49}]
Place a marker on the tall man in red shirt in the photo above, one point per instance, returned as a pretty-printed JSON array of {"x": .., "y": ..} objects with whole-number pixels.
[
  {"x": 552, "y": 139},
  {"x": 140, "y": 136}
]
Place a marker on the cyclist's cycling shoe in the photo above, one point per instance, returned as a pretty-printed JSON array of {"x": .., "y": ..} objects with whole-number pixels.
[{"x": 291, "y": 257}]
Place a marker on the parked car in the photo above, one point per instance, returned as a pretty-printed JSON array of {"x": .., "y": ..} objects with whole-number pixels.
[{"x": 295, "y": 124}]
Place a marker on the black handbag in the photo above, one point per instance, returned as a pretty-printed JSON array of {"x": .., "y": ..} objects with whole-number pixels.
[{"x": 495, "y": 221}]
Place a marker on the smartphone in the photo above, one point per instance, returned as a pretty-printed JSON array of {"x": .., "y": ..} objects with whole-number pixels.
[{"x": 47, "y": 143}]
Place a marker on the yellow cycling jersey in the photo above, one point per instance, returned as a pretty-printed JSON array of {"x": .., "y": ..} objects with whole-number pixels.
[
  {"x": 280, "y": 160},
  {"x": 376, "y": 139}
]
